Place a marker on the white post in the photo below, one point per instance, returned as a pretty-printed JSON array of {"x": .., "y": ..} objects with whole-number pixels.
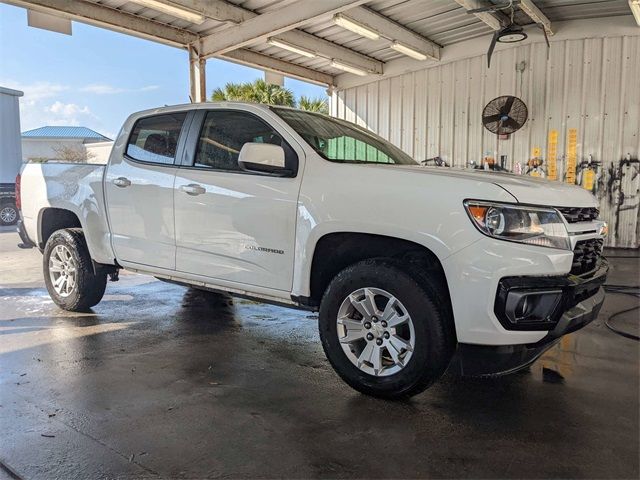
[{"x": 197, "y": 76}]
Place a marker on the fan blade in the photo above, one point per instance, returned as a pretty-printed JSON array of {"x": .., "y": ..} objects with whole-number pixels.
[
  {"x": 508, "y": 105},
  {"x": 491, "y": 47},
  {"x": 510, "y": 123},
  {"x": 493, "y": 118}
]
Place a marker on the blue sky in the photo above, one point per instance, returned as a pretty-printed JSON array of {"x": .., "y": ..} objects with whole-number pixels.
[{"x": 96, "y": 77}]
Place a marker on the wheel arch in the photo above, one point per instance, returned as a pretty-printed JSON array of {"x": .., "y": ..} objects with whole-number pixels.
[
  {"x": 335, "y": 251},
  {"x": 51, "y": 219}
]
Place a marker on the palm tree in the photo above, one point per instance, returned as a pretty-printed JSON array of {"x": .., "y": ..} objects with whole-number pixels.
[
  {"x": 256, "y": 92},
  {"x": 318, "y": 105}
]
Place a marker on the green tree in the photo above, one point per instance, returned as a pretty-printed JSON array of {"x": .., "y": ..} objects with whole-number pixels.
[
  {"x": 260, "y": 91},
  {"x": 319, "y": 105},
  {"x": 256, "y": 92}
]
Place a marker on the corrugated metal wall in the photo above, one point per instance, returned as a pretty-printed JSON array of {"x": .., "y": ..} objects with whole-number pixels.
[{"x": 588, "y": 90}]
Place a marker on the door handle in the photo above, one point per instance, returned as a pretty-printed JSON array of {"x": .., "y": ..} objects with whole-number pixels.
[
  {"x": 121, "y": 182},
  {"x": 193, "y": 189}
]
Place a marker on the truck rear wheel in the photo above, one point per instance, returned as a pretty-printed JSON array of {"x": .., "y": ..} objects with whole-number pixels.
[
  {"x": 383, "y": 331},
  {"x": 69, "y": 274}
]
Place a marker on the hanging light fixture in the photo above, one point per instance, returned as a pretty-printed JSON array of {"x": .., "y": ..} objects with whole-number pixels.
[
  {"x": 180, "y": 12},
  {"x": 292, "y": 48},
  {"x": 355, "y": 27}
]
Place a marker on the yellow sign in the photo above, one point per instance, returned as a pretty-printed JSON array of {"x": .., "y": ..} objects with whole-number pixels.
[
  {"x": 572, "y": 155},
  {"x": 588, "y": 179},
  {"x": 552, "y": 157}
]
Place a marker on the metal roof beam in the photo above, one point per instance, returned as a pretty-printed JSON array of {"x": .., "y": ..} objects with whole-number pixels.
[
  {"x": 260, "y": 27},
  {"x": 321, "y": 47},
  {"x": 95, "y": 14},
  {"x": 530, "y": 8},
  {"x": 216, "y": 9},
  {"x": 255, "y": 59},
  {"x": 394, "y": 31},
  {"x": 495, "y": 20}
]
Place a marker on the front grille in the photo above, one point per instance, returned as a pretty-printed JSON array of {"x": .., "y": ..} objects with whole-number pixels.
[
  {"x": 579, "y": 214},
  {"x": 586, "y": 255}
]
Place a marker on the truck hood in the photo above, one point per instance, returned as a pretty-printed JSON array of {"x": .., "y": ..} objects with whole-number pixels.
[{"x": 525, "y": 189}]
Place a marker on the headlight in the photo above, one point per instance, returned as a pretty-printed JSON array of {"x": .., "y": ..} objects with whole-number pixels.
[{"x": 537, "y": 226}]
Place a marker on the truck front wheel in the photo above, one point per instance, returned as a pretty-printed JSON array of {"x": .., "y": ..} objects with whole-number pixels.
[
  {"x": 383, "y": 331},
  {"x": 68, "y": 272}
]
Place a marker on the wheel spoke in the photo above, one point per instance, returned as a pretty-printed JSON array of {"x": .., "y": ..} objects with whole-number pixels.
[
  {"x": 396, "y": 320},
  {"x": 376, "y": 359},
  {"x": 399, "y": 343},
  {"x": 71, "y": 281},
  {"x": 354, "y": 330},
  {"x": 350, "y": 323},
  {"x": 365, "y": 355},
  {"x": 366, "y": 306},
  {"x": 55, "y": 265},
  {"x": 390, "y": 309}
]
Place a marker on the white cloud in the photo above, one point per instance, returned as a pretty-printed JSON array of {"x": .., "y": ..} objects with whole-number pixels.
[
  {"x": 44, "y": 103},
  {"x": 68, "y": 109},
  {"x": 35, "y": 92},
  {"x": 102, "y": 89},
  {"x": 106, "y": 89}
]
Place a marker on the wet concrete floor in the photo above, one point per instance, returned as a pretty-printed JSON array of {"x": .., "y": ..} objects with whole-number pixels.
[{"x": 162, "y": 381}]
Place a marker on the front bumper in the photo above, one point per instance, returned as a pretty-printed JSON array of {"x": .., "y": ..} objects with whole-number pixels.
[{"x": 582, "y": 298}]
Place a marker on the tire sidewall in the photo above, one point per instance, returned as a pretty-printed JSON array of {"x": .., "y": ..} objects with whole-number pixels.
[
  {"x": 80, "y": 255},
  {"x": 429, "y": 358}
]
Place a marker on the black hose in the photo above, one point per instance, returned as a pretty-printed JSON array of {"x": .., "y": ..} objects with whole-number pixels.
[{"x": 630, "y": 290}]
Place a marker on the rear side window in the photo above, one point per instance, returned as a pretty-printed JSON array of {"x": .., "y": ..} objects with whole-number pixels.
[{"x": 155, "y": 139}]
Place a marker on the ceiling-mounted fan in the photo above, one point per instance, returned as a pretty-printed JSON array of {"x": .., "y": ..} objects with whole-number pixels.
[{"x": 509, "y": 33}]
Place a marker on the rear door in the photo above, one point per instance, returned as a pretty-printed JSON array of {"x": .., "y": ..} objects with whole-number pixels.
[
  {"x": 139, "y": 191},
  {"x": 233, "y": 225}
]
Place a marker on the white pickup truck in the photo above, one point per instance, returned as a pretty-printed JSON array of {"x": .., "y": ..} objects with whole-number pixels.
[{"x": 412, "y": 269}]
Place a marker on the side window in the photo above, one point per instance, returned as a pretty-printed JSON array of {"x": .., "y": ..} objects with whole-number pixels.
[
  {"x": 224, "y": 133},
  {"x": 155, "y": 139}
]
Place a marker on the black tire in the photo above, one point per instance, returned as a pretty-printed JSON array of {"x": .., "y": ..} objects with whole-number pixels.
[
  {"x": 89, "y": 287},
  {"x": 434, "y": 336},
  {"x": 8, "y": 214}
]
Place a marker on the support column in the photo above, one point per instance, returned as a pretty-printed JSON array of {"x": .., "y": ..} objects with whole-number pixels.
[{"x": 197, "y": 76}]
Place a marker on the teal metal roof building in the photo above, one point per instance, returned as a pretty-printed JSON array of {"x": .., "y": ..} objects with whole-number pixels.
[{"x": 65, "y": 132}]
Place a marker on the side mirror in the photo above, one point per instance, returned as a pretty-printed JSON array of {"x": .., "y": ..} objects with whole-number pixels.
[{"x": 262, "y": 158}]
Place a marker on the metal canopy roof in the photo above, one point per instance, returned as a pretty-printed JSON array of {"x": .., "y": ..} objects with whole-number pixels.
[{"x": 238, "y": 30}]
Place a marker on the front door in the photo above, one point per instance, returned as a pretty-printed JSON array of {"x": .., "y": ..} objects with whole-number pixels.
[
  {"x": 139, "y": 192},
  {"x": 233, "y": 225}
]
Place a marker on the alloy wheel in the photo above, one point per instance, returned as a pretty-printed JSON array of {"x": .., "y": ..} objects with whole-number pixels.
[
  {"x": 63, "y": 270},
  {"x": 375, "y": 331}
]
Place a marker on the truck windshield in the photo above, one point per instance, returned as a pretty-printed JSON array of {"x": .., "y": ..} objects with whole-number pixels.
[{"x": 341, "y": 141}]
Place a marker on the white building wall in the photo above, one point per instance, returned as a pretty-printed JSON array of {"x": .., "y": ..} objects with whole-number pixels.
[
  {"x": 10, "y": 152},
  {"x": 99, "y": 152},
  {"x": 588, "y": 84},
  {"x": 45, "y": 148}
]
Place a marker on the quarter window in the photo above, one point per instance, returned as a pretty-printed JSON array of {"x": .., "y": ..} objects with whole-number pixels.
[
  {"x": 223, "y": 135},
  {"x": 155, "y": 139}
]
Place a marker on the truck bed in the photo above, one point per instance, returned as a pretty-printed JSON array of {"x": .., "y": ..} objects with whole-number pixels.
[{"x": 70, "y": 186}]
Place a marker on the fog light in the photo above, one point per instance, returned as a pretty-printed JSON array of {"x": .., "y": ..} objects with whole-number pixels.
[{"x": 532, "y": 307}]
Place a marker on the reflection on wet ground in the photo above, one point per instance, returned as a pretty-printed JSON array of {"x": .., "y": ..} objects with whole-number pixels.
[{"x": 164, "y": 381}]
